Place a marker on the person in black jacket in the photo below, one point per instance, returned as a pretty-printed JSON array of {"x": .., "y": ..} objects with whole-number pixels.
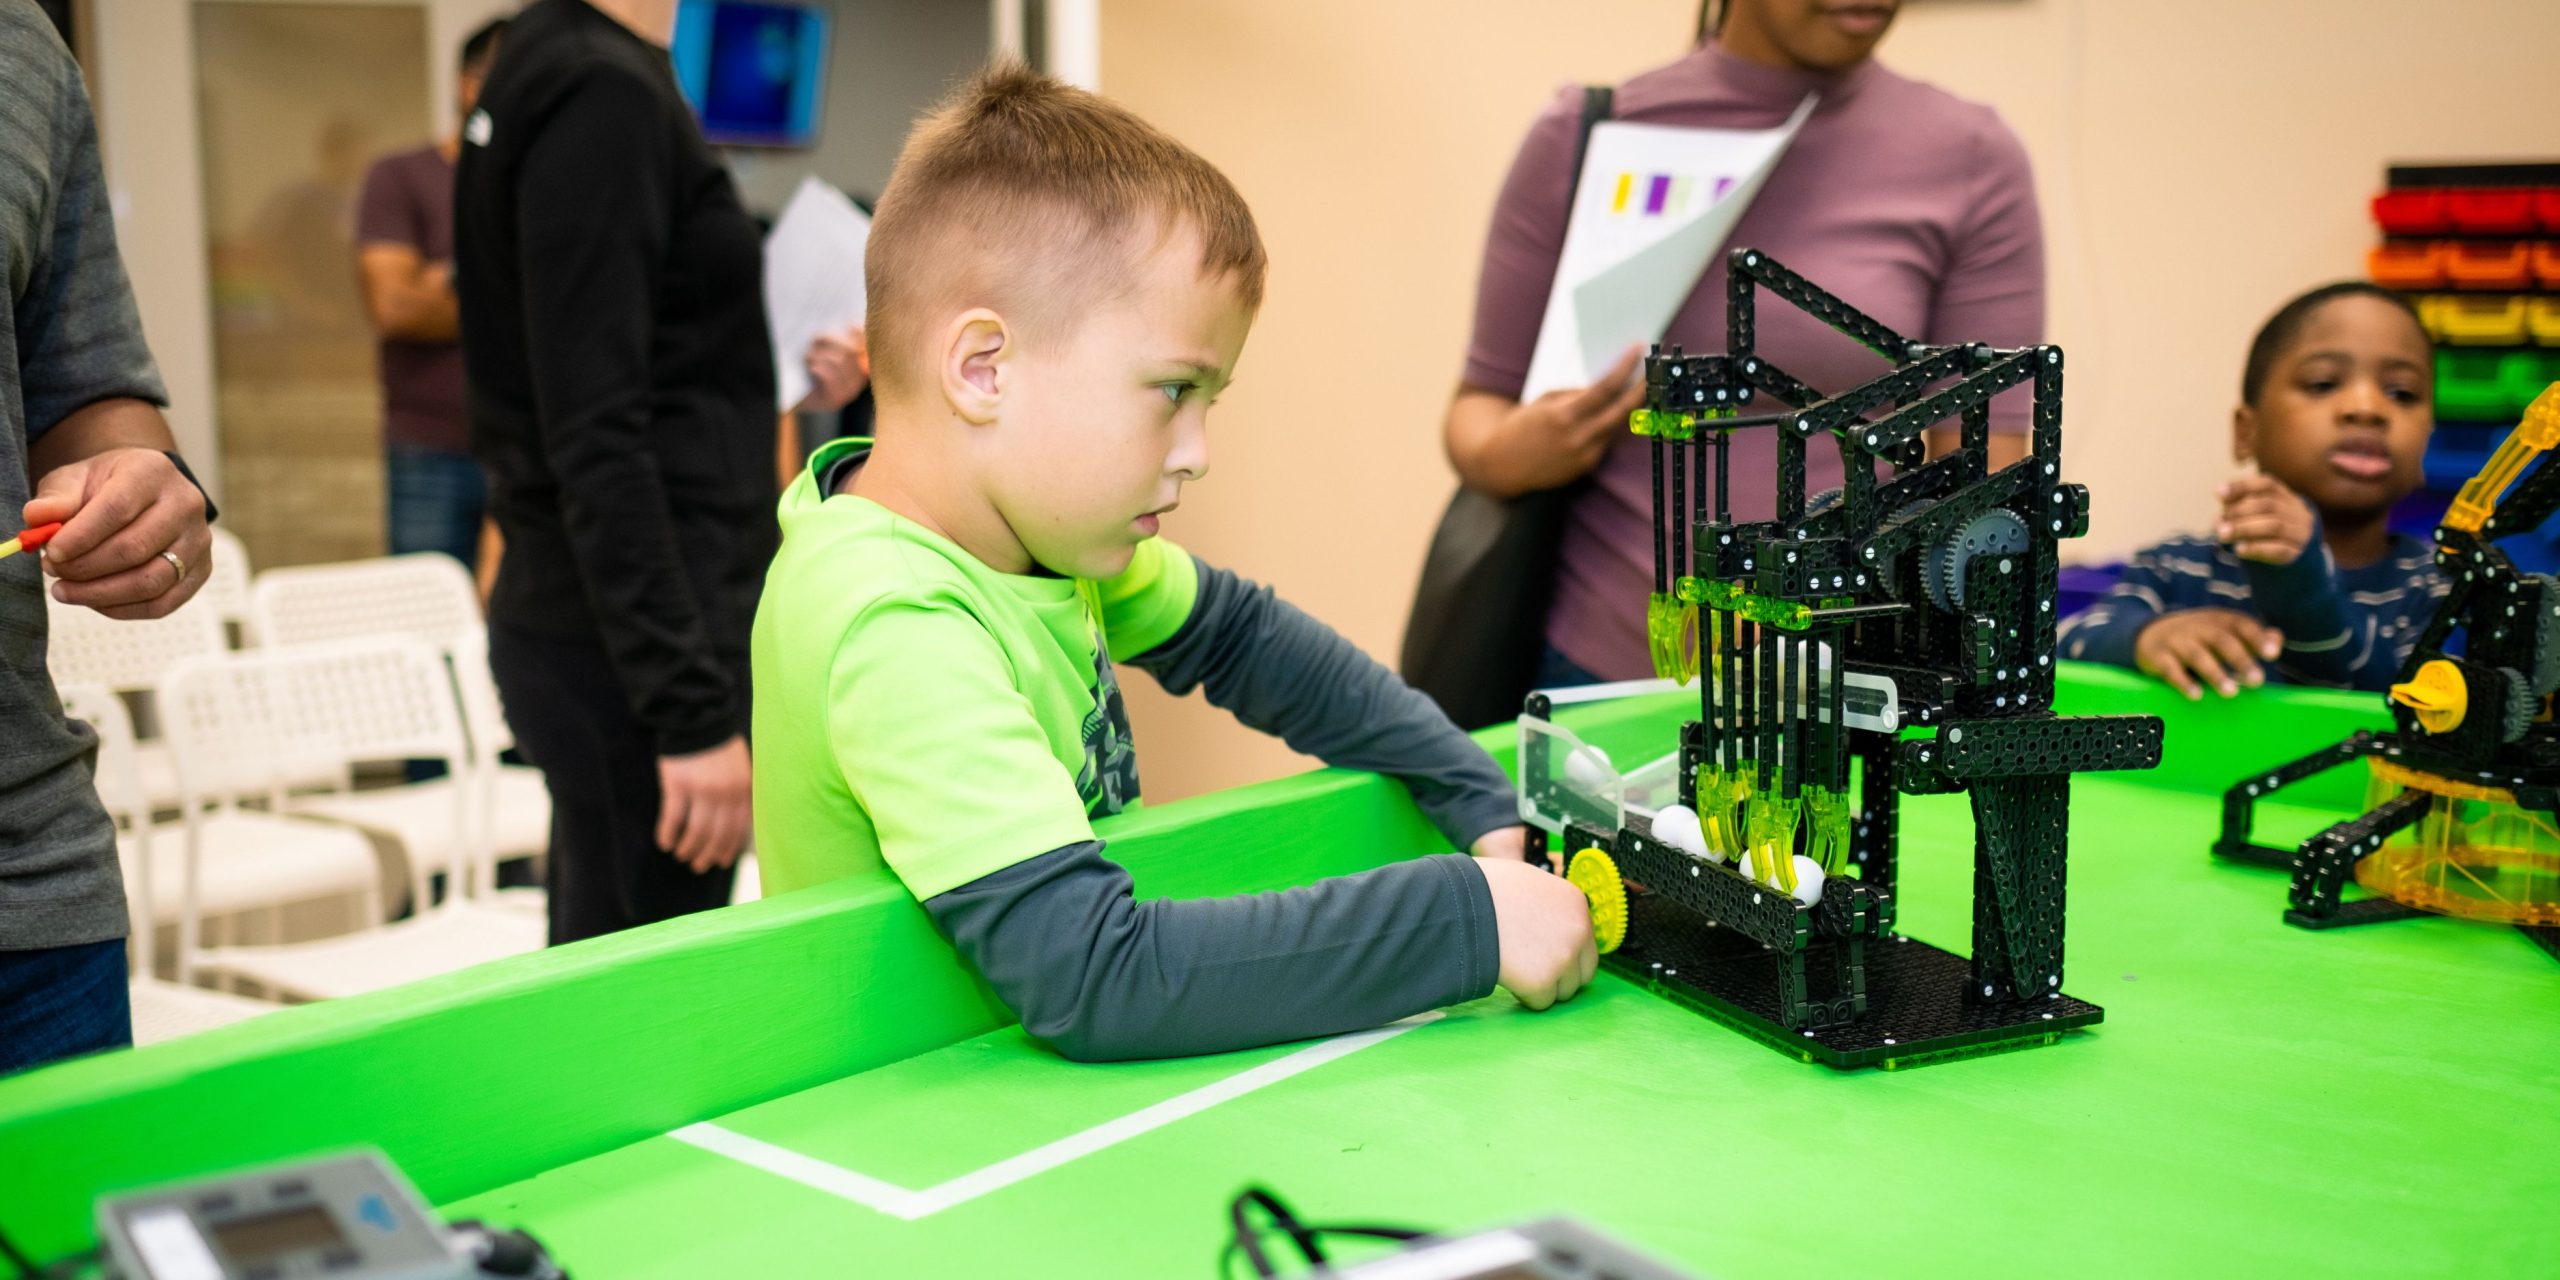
[{"x": 622, "y": 402}]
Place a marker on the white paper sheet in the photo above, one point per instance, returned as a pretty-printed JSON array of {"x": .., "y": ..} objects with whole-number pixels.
[
  {"x": 812, "y": 279},
  {"x": 1653, "y": 208}
]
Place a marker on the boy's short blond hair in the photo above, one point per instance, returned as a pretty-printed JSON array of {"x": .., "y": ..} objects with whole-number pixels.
[{"x": 1028, "y": 195}]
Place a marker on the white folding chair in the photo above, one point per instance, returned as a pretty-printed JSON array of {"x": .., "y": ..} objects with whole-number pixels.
[
  {"x": 274, "y": 712},
  {"x": 162, "y": 1010},
  {"x": 226, "y": 589},
  {"x": 428, "y": 597},
  {"x": 83, "y": 646}
]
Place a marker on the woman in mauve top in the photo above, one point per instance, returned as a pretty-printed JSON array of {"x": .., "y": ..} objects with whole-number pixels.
[{"x": 1905, "y": 201}]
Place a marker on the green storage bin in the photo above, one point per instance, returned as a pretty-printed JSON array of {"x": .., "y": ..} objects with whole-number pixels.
[
  {"x": 2526, "y": 373},
  {"x": 2471, "y": 386}
]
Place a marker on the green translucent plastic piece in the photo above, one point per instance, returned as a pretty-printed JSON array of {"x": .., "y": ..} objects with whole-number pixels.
[
  {"x": 1670, "y": 424},
  {"x": 1785, "y": 615},
  {"x": 1826, "y": 821},
  {"x": 1671, "y": 632},
  {"x": 1722, "y": 796},
  {"x": 1770, "y": 836}
]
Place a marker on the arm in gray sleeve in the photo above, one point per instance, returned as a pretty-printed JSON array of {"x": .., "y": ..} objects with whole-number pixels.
[
  {"x": 1287, "y": 674},
  {"x": 1104, "y": 977}
]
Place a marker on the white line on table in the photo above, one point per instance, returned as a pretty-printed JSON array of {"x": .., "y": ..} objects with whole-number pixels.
[{"x": 899, "y": 1202}]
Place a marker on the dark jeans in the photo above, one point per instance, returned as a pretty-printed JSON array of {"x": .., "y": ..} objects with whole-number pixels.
[
  {"x": 435, "y": 501},
  {"x": 572, "y": 721},
  {"x": 61, "y": 1002}
]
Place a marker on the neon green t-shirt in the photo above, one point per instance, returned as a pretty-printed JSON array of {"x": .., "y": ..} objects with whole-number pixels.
[{"x": 916, "y": 708}]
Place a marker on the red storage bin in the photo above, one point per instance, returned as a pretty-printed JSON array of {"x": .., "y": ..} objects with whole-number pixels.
[
  {"x": 2412, "y": 265},
  {"x": 2504, "y": 211},
  {"x": 2494, "y": 264},
  {"x": 2418, "y": 211},
  {"x": 2546, "y": 208}
]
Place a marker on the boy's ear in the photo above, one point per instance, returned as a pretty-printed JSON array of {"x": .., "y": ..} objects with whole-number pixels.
[
  {"x": 2244, "y": 434},
  {"x": 977, "y": 352}
]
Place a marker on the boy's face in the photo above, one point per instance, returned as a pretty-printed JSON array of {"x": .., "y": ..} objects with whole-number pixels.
[
  {"x": 2343, "y": 418},
  {"x": 1101, "y": 427}
]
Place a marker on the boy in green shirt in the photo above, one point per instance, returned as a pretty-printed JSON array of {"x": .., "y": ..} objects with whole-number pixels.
[{"x": 1058, "y": 292}]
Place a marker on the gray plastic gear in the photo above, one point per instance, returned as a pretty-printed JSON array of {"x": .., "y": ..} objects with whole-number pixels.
[
  {"x": 1821, "y": 503},
  {"x": 2518, "y": 711},
  {"x": 1943, "y": 565},
  {"x": 2545, "y": 596}
]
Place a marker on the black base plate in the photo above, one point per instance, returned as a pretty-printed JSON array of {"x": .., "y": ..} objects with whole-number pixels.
[{"x": 1918, "y": 1008}]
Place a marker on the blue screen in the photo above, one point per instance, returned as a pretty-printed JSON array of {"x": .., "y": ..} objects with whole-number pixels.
[{"x": 752, "y": 72}]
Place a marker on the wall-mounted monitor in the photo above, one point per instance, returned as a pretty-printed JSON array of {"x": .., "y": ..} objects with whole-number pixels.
[{"x": 755, "y": 71}]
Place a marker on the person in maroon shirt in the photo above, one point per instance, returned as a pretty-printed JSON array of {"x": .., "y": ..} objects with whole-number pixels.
[
  {"x": 404, "y": 261},
  {"x": 1907, "y": 202}
]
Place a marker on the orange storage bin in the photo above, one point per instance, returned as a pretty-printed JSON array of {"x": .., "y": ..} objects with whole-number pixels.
[
  {"x": 2492, "y": 264},
  {"x": 2542, "y": 321},
  {"x": 2482, "y": 322},
  {"x": 2418, "y": 211},
  {"x": 2407, "y": 265},
  {"x": 2546, "y": 263}
]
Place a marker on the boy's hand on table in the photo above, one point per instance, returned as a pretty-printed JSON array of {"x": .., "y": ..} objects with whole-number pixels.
[
  {"x": 2192, "y": 648},
  {"x": 703, "y": 809},
  {"x": 1542, "y": 925},
  {"x": 2262, "y": 520}
]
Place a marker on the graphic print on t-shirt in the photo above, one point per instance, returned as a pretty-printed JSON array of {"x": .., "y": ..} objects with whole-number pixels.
[{"x": 1108, "y": 782}]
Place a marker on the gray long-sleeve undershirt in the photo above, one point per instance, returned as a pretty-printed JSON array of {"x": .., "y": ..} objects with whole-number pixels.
[{"x": 1101, "y": 976}]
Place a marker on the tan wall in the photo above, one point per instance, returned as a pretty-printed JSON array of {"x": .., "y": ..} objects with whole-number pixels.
[{"x": 2199, "y": 160}]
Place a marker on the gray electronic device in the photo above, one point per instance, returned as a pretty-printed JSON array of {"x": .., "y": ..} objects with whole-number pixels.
[
  {"x": 1547, "y": 1249},
  {"x": 344, "y": 1217}
]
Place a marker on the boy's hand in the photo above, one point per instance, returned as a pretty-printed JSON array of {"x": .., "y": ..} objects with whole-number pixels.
[
  {"x": 1543, "y": 926},
  {"x": 2262, "y": 520},
  {"x": 1503, "y": 842},
  {"x": 2195, "y": 647}
]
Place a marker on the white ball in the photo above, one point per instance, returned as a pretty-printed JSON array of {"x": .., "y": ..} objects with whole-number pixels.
[
  {"x": 1585, "y": 767},
  {"x": 1809, "y": 880},
  {"x": 1678, "y": 827}
]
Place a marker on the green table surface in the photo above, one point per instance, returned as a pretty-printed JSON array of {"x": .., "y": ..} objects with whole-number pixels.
[{"x": 2380, "y": 1100}]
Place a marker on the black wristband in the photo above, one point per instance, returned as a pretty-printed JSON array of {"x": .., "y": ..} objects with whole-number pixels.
[{"x": 210, "y": 512}]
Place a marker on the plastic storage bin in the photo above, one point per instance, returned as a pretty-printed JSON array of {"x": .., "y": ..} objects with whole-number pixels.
[
  {"x": 2470, "y": 386},
  {"x": 2491, "y": 264},
  {"x": 2542, "y": 321},
  {"x": 2407, "y": 265},
  {"x": 2494, "y": 211},
  {"x": 2481, "y": 322},
  {"x": 2418, "y": 211}
]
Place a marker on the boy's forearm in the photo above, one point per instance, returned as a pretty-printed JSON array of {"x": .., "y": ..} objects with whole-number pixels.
[
  {"x": 1102, "y": 976},
  {"x": 1287, "y": 674}
]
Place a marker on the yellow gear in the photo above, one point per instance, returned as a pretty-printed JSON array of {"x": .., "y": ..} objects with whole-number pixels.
[
  {"x": 2437, "y": 694},
  {"x": 1596, "y": 874}
]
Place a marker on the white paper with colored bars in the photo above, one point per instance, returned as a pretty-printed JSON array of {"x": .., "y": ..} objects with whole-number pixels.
[
  {"x": 1654, "y": 207},
  {"x": 812, "y": 280}
]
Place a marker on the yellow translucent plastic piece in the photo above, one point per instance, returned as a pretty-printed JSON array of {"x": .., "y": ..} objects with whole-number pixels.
[
  {"x": 2537, "y": 433},
  {"x": 2437, "y": 694},
  {"x": 2481, "y": 860},
  {"x": 1596, "y": 874},
  {"x": 1670, "y": 424},
  {"x": 1671, "y": 630}
]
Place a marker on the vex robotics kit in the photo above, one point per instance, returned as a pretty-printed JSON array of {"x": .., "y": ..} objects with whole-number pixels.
[{"x": 1893, "y": 637}]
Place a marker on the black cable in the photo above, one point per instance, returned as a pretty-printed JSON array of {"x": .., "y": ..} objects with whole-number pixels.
[
  {"x": 59, "y": 1269},
  {"x": 1246, "y": 1238},
  {"x": 26, "y": 1266}
]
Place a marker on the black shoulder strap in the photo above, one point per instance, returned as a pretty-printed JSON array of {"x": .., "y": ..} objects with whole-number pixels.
[{"x": 1597, "y": 99}]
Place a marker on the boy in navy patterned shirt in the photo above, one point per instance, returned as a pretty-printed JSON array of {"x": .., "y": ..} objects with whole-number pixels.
[{"x": 2302, "y": 580}]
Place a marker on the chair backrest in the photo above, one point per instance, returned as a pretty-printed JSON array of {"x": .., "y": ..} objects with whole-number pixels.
[
  {"x": 253, "y": 720},
  {"x": 226, "y": 586},
  {"x": 426, "y": 595},
  {"x": 119, "y": 782},
  {"x": 84, "y": 646}
]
